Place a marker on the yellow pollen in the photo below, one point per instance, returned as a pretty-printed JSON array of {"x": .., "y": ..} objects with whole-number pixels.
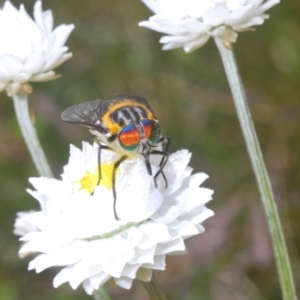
[{"x": 90, "y": 180}]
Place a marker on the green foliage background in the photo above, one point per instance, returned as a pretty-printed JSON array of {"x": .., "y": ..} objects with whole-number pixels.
[{"x": 189, "y": 92}]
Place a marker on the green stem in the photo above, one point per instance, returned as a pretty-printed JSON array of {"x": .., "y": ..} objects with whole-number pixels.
[
  {"x": 29, "y": 133},
  {"x": 262, "y": 178},
  {"x": 101, "y": 294},
  {"x": 153, "y": 289}
]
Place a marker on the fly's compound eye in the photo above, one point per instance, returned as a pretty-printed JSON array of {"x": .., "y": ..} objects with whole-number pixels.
[
  {"x": 129, "y": 137},
  {"x": 152, "y": 130}
]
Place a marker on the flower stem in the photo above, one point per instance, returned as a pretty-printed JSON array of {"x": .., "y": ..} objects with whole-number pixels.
[
  {"x": 101, "y": 294},
  {"x": 262, "y": 178},
  {"x": 153, "y": 289},
  {"x": 29, "y": 133}
]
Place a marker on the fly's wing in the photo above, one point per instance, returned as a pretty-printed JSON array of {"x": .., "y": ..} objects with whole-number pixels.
[{"x": 87, "y": 114}]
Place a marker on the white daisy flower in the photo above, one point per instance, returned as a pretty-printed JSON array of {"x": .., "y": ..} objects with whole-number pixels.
[
  {"x": 30, "y": 49},
  {"x": 190, "y": 23},
  {"x": 76, "y": 228}
]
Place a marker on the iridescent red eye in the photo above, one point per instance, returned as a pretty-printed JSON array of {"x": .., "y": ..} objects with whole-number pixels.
[
  {"x": 129, "y": 137},
  {"x": 152, "y": 130}
]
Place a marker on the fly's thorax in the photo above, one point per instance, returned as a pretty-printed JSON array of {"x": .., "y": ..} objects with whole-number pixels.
[{"x": 126, "y": 112}]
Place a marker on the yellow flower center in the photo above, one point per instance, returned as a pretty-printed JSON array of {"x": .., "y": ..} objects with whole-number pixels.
[{"x": 90, "y": 180}]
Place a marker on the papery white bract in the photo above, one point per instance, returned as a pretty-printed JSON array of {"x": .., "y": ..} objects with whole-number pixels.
[
  {"x": 190, "y": 23},
  {"x": 76, "y": 228},
  {"x": 29, "y": 49}
]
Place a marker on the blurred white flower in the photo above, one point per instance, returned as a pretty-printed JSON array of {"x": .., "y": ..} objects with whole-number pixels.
[
  {"x": 29, "y": 49},
  {"x": 190, "y": 23},
  {"x": 76, "y": 228}
]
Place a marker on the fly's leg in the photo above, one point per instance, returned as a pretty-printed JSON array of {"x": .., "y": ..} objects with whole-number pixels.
[
  {"x": 116, "y": 165},
  {"x": 165, "y": 156},
  {"x": 99, "y": 161}
]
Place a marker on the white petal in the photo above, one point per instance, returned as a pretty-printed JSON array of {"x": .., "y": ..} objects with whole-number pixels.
[
  {"x": 159, "y": 263},
  {"x": 199, "y": 42},
  {"x": 34, "y": 220},
  {"x": 62, "y": 32},
  {"x": 197, "y": 179},
  {"x": 57, "y": 59},
  {"x": 51, "y": 60},
  {"x": 130, "y": 270},
  {"x": 34, "y": 62},
  {"x": 194, "y": 26},
  {"x": 182, "y": 228},
  {"x": 44, "y": 261},
  {"x": 76, "y": 274},
  {"x": 170, "y": 210},
  {"x": 3, "y": 76},
  {"x": 266, "y": 5},
  {"x": 21, "y": 77},
  {"x": 80, "y": 273},
  {"x": 62, "y": 277},
  {"x": 174, "y": 170},
  {"x": 197, "y": 215},
  {"x": 176, "y": 39},
  {"x": 176, "y": 245},
  {"x": 153, "y": 5},
  {"x": 45, "y": 76},
  {"x": 124, "y": 282},
  {"x": 89, "y": 288},
  {"x": 12, "y": 88},
  {"x": 253, "y": 22},
  {"x": 14, "y": 37},
  {"x": 143, "y": 256},
  {"x": 216, "y": 15},
  {"x": 95, "y": 282},
  {"x": 9, "y": 8},
  {"x": 10, "y": 64},
  {"x": 162, "y": 24},
  {"x": 170, "y": 46},
  {"x": 22, "y": 225},
  {"x": 34, "y": 34},
  {"x": 205, "y": 214},
  {"x": 38, "y": 15},
  {"x": 153, "y": 233},
  {"x": 48, "y": 21}
]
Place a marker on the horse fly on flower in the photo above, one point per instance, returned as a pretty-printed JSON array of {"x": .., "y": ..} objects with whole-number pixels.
[{"x": 125, "y": 124}]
